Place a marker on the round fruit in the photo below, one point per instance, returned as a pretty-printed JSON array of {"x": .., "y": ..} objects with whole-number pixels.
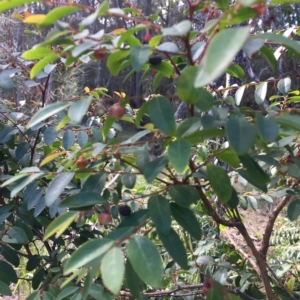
[
  {"x": 124, "y": 210},
  {"x": 155, "y": 60},
  {"x": 105, "y": 217},
  {"x": 99, "y": 54},
  {"x": 116, "y": 111},
  {"x": 81, "y": 163}
]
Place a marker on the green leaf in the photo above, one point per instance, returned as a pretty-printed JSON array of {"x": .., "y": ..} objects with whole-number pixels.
[
  {"x": 145, "y": 260},
  {"x": 229, "y": 157},
  {"x": 88, "y": 45},
  {"x": 220, "y": 53},
  {"x": 7, "y": 133},
  {"x": 241, "y": 134},
  {"x": 47, "y": 112},
  {"x": 83, "y": 255},
  {"x": 175, "y": 247},
  {"x": 235, "y": 70},
  {"x": 9, "y": 271},
  {"x": 22, "y": 149},
  {"x": 252, "y": 46},
  {"x": 139, "y": 56},
  {"x": 154, "y": 167},
  {"x": 188, "y": 127},
  {"x": 4, "y": 5},
  {"x": 290, "y": 121},
  {"x": 135, "y": 219},
  {"x": 261, "y": 186},
  {"x": 79, "y": 108},
  {"x": 106, "y": 127},
  {"x": 68, "y": 291},
  {"x": 60, "y": 224},
  {"x": 253, "y": 202},
  {"x": 269, "y": 55},
  {"x": 132, "y": 280},
  {"x": 39, "y": 66},
  {"x": 284, "y": 85},
  {"x": 56, "y": 186},
  {"x": 179, "y": 154},
  {"x": 143, "y": 158},
  {"x": 15, "y": 235},
  {"x": 10, "y": 255},
  {"x": 94, "y": 183},
  {"x": 184, "y": 195},
  {"x": 260, "y": 93},
  {"x": 37, "y": 53},
  {"x": 6, "y": 83},
  {"x": 4, "y": 288},
  {"x": 220, "y": 182},
  {"x": 268, "y": 129},
  {"x": 115, "y": 59},
  {"x": 161, "y": 113},
  {"x": 23, "y": 183},
  {"x": 68, "y": 139},
  {"x": 179, "y": 29},
  {"x": 140, "y": 113},
  {"x": 293, "y": 210},
  {"x": 82, "y": 199},
  {"x": 50, "y": 135},
  {"x": 38, "y": 277},
  {"x": 58, "y": 13},
  {"x": 168, "y": 47},
  {"x": 186, "y": 90},
  {"x": 160, "y": 213},
  {"x": 234, "y": 199},
  {"x": 285, "y": 41},
  {"x": 112, "y": 269},
  {"x": 254, "y": 171},
  {"x": 129, "y": 180},
  {"x": 82, "y": 138},
  {"x": 186, "y": 219}
]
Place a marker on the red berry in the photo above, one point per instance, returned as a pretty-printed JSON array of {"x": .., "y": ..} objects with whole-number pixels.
[
  {"x": 147, "y": 36},
  {"x": 105, "y": 217},
  {"x": 116, "y": 111},
  {"x": 81, "y": 163},
  {"x": 99, "y": 54}
]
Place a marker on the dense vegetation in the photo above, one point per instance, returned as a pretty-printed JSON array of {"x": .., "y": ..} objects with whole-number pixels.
[{"x": 110, "y": 193}]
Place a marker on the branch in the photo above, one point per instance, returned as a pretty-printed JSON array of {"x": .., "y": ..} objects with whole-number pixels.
[
  {"x": 268, "y": 230},
  {"x": 280, "y": 283}
]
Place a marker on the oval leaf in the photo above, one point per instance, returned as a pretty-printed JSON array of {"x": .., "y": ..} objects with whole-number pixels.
[
  {"x": 145, "y": 260},
  {"x": 220, "y": 182},
  {"x": 56, "y": 186},
  {"x": 112, "y": 270},
  {"x": 83, "y": 255},
  {"x": 161, "y": 113},
  {"x": 179, "y": 154},
  {"x": 160, "y": 213}
]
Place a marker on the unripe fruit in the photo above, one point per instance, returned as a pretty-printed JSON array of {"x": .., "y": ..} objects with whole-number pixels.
[
  {"x": 105, "y": 217},
  {"x": 116, "y": 111},
  {"x": 124, "y": 210},
  {"x": 99, "y": 54},
  {"x": 82, "y": 163}
]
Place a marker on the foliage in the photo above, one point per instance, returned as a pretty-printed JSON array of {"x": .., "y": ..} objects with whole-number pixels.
[{"x": 97, "y": 217}]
